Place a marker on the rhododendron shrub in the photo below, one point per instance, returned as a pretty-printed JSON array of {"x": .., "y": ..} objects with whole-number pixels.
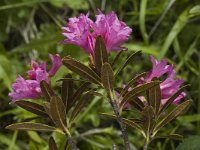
[{"x": 151, "y": 94}]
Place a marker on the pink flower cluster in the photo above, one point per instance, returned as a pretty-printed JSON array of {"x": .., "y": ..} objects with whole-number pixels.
[
  {"x": 30, "y": 89},
  {"x": 82, "y": 31},
  {"x": 170, "y": 85}
]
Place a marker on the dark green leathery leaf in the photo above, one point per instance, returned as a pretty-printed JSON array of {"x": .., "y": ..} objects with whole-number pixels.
[
  {"x": 46, "y": 90},
  {"x": 52, "y": 144},
  {"x": 100, "y": 53},
  {"x": 148, "y": 120},
  {"x": 107, "y": 77},
  {"x": 30, "y": 126},
  {"x": 81, "y": 69},
  {"x": 58, "y": 113},
  {"x": 83, "y": 101},
  {"x": 32, "y": 107},
  {"x": 67, "y": 90},
  {"x": 181, "y": 108},
  {"x": 128, "y": 60}
]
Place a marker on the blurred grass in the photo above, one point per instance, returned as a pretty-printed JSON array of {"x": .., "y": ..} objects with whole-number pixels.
[{"x": 31, "y": 29}]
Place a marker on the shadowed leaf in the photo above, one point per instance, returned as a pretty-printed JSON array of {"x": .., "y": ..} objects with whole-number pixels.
[
  {"x": 116, "y": 58},
  {"x": 107, "y": 77},
  {"x": 29, "y": 126},
  {"x": 128, "y": 60},
  {"x": 100, "y": 53},
  {"x": 80, "y": 105},
  {"x": 32, "y": 107},
  {"x": 131, "y": 83},
  {"x": 52, "y": 144},
  {"x": 181, "y": 108},
  {"x": 81, "y": 69},
  {"x": 77, "y": 94},
  {"x": 126, "y": 121},
  {"x": 46, "y": 90},
  {"x": 148, "y": 120},
  {"x": 171, "y": 99},
  {"x": 136, "y": 91},
  {"x": 172, "y": 136},
  {"x": 58, "y": 113},
  {"x": 67, "y": 90},
  {"x": 154, "y": 97}
]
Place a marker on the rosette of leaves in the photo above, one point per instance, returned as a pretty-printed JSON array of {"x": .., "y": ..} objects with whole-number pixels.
[{"x": 59, "y": 112}]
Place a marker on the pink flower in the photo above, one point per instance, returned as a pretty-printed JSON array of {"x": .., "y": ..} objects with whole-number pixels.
[
  {"x": 56, "y": 63},
  {"x": 169, "y": 86},
  {"x": 78, "y": 33},
  {"x": 30, "y": 88},
  {"x": 83, "y": 32},
  {"x": 23, "y": 89},
  {"x": 113, "y": 31}
]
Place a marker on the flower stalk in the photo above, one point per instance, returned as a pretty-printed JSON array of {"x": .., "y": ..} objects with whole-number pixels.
[{"x": 116, "y": 110}]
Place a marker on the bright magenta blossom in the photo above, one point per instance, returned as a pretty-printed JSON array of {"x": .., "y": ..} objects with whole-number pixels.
[
  {"x": 30, "y": 88},
  {"x": 78, "y": 33},
  {"x": 83, "y": 32},
  {"x": 170, "y": 85},
  {"x": 113, "y": 31}
]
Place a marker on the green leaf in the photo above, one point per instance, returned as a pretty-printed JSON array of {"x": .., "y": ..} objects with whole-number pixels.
[
  {"x": 181, "y": 108},
  {"x": 191, "y": 143},
  {"x": 171, "y": 99},
  {"x": 177, "y": 27},
  {"x": 116, "y": 58},
  {"x": 137, "y": 103},
  {"x": 78, "y": 93},
  {"x": 128, "y": 60},
  {"x": 30, "y": 126},
  {"x": 67, "y": 90},
  {"x": 81, "y": 69},
  {"x": 107, "y": 77},
  {"x": 154, "y": 97},
  {"x": 128, "y": 122},
  {"x": 58, "y": 113},
  {"x": 172, "y": 136},
  {"x": 32, "y": 107},
  {"x": 136, "y": 91},
  {"x": 148, "y": 120},
  {"x": 80, "y": 105},
  {"x": 52, "y": 144},
  {"x": 131, "y": 83},
  {"x": 100, "y": 53},
  {"x": 46, "y": 90}
]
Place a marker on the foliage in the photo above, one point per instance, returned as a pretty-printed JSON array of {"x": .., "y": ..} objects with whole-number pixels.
[{"x": 31, "y": 29}]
